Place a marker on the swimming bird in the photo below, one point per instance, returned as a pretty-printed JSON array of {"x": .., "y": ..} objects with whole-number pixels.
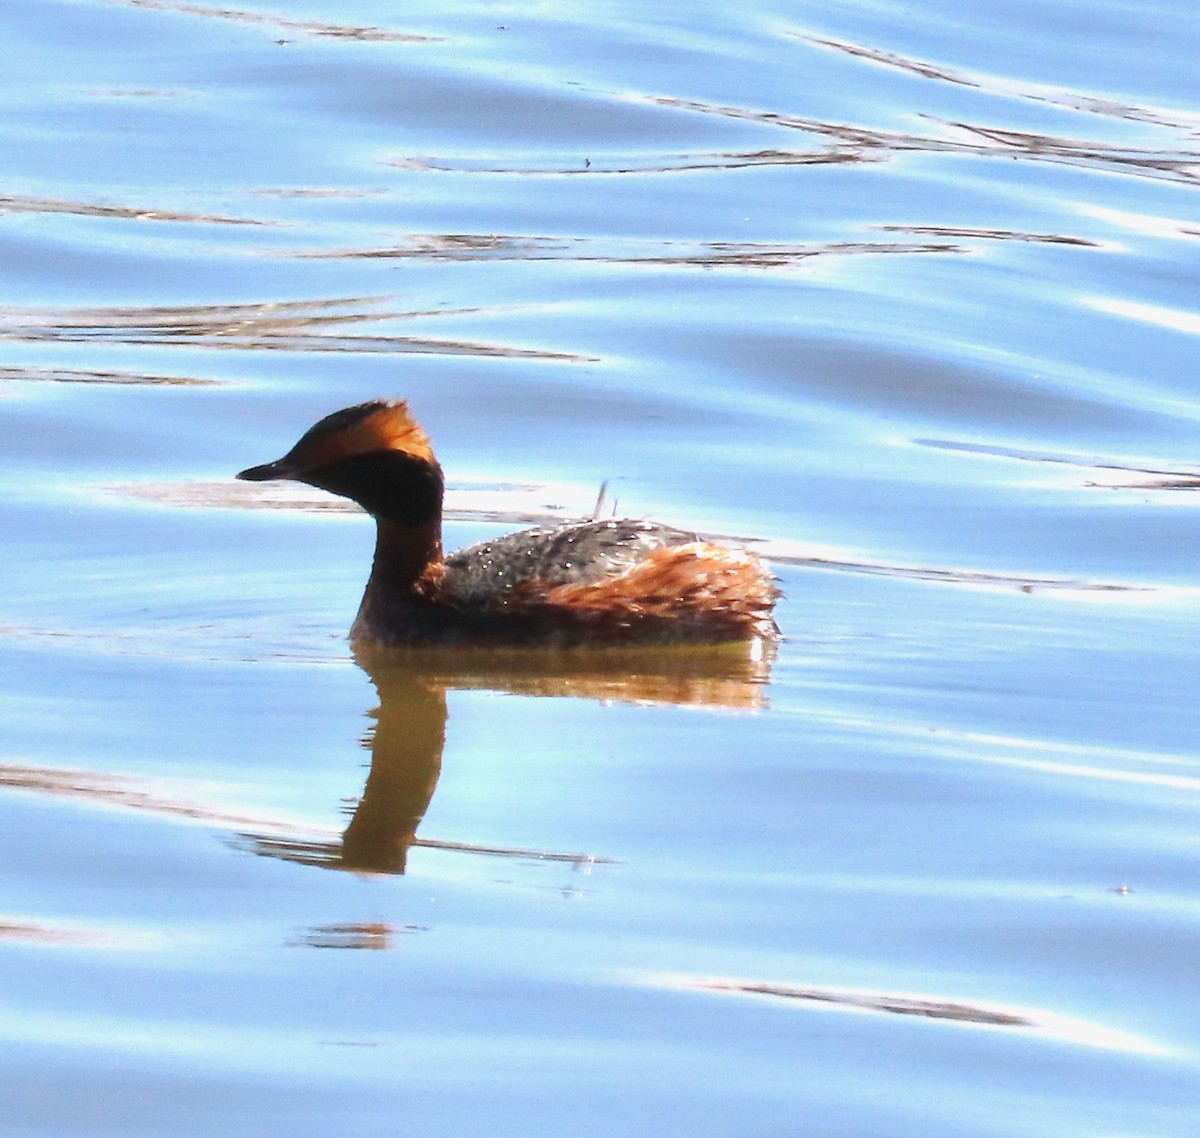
[{"x": 592, "y": 582}]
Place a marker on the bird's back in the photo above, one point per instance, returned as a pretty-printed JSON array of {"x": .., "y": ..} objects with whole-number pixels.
[
  {"x": 618, "y": 580},
  {"x": 549, "y": 557}
]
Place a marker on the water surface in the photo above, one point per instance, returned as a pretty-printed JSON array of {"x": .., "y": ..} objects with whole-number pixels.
[{"x": 903, "y": 295}]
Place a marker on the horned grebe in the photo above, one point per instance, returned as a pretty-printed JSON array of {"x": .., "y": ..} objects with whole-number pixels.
[{"x": 618, "y": 581}]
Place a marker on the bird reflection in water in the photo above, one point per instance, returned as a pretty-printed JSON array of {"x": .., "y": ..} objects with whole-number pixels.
[{"x": 409, "y": 733}]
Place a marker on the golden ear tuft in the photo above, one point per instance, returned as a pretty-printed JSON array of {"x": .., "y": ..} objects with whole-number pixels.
[
  {"x": 393, "y": 428},
  {"x": 365, "y": 429}
]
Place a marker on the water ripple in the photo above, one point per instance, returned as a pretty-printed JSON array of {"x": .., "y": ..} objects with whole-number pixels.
[
  {"x": 303, "y": 325},
  {"x": 850, "y": 143},
  {"x": 1056, "y": 96},
  {"x": 618, "y": 251},
  {"x": 117, "y": 378},
  {"x": 284, "y": 23},
  {"x": 1050, "y": 1025},
  {"x": 21, "y": 203}
]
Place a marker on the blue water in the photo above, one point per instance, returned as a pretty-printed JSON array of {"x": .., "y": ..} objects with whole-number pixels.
[{"x": 902, "y": 294}]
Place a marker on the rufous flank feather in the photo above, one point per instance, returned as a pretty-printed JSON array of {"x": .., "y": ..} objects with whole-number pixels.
[{"x": 682, "y": 583}]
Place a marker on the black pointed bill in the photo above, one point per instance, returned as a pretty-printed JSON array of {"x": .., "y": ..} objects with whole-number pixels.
[{"x": 280, "y": 468}]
